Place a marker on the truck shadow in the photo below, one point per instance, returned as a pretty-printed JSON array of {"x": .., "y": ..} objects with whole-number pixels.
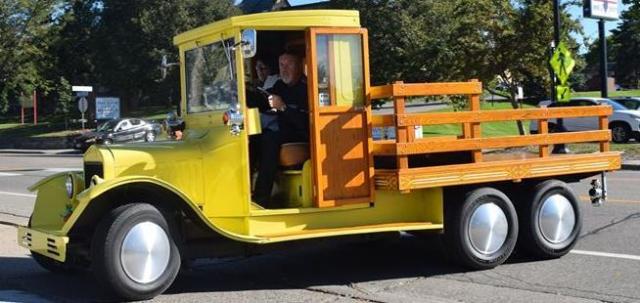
[{"x": 319, "y": 264}]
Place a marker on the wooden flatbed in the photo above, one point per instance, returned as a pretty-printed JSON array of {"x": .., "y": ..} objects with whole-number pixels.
[{"x": 479, "y": 167}]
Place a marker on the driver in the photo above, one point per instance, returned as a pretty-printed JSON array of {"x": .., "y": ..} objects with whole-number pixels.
[{"x": 288, "y": 99}]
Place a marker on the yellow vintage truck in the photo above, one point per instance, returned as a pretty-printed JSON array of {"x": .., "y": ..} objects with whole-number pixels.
[{"x": 137, "y": 212}]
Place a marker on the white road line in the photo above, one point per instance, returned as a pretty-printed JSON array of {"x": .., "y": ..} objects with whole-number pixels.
[
  {"x": 9, "y": 174},
  {"x": 604, "y": 254},
  {"x": 17, "y": 194}
]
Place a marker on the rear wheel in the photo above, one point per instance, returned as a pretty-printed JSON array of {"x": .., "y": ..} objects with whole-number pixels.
[
  {"x": 550, "y": 221},
  {"x": 133, "y": 252},
  {"x": 481, "y": 230}
]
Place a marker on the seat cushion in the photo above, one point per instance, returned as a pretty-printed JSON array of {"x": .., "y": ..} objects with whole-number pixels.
[{"x": 294, "y": 154}]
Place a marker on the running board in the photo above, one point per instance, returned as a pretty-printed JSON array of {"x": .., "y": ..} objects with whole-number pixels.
[{"x": 343, "y": 231}]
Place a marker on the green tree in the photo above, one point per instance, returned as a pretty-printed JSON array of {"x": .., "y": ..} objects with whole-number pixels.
[
  {"x": 626, "y": 40},
  {"x": 131, "y": 37},
  {"x": 24, "y": 28}
]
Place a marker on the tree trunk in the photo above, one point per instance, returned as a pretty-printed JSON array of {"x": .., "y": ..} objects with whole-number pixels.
[{"x": 515, "y": 105}]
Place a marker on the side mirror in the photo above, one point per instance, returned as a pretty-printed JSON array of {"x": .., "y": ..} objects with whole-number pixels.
[{"x": 249, "y": 42}]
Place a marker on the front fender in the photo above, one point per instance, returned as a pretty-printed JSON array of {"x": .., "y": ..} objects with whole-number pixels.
[{"x": 95, "y": 191}]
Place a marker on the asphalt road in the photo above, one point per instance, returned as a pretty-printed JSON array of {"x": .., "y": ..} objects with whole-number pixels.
[{"x": 604, "y": 267}]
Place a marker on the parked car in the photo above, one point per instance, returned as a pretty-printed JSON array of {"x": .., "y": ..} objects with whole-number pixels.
[
  {"x": 624, "y": 122},
  {"x": 119, "y": 131},
  {"x": 628, "y": 102}
]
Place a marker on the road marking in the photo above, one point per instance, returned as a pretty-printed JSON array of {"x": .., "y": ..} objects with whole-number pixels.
[
  {"x": 587, "y": 199},
  {"x": 17, "y": 194},
  {"x": 9, "y": 174},
  {"x": 604, "y": 254}
]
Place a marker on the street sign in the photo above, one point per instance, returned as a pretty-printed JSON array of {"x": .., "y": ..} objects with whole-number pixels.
[
  {"x": 87, "y": 89},
  {"x": 563, "y": 93},
  {"x": 83, "y": 105},
  {"x": 107, "y": 108},
  {"x": 602, "y": 9},
  {"x": 562, "y": 63}
]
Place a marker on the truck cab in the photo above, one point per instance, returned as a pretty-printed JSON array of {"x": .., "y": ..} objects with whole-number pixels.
[{"x": 137, "y": 212}]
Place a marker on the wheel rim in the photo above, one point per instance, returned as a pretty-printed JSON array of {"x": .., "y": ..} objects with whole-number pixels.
[
  {"x": 150, "y": 137},
  {"x": 618, "y": 133},
  {"x": 556, "y": 219},
  {"x": 145, "y": 252},
  {"x": 488, "y": 228}
]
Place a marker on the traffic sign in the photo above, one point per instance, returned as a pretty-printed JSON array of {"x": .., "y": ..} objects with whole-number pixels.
[
  {"x": 83, "y": 105},
  {"x": 562, "y": 63},
  {"x": 563, "y": 93}
]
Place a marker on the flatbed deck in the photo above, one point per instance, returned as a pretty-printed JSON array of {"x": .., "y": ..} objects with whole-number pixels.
[{"x": 452, "y": 160}]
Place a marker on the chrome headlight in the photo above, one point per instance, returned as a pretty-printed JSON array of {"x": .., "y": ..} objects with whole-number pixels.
[{"x": 70, "y": 186}]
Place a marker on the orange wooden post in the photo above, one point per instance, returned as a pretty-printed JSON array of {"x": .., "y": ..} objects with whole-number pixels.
[
  {"x": 603, "y": 122},
  {"x": 543, "y": 129},
  {"x": 473, "y": 130},
  {"x": 402, "y": 133}
]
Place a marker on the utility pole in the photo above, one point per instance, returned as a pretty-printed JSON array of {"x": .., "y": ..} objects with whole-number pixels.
[
  {"x": 558, "y": 148},
  {"x": 604, "y": 73}
]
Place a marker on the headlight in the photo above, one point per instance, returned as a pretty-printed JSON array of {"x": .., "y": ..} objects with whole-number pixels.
[{"x": 68, "y": 184}]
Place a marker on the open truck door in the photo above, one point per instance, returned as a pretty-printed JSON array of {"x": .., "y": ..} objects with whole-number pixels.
[{"x": 338, "y": 71}]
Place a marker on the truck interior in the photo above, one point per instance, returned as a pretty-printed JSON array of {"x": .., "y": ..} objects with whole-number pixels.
[{"x": 336, "y": 161}]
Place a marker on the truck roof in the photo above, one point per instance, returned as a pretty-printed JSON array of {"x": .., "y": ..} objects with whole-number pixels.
[{"x": 281, "y": 20}]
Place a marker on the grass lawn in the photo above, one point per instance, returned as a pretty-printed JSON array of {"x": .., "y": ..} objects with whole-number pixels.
[
  {"x": 50, "y": 129},
  {"x": 622, "y": 93},
  {"x": 489, "y": 129}
]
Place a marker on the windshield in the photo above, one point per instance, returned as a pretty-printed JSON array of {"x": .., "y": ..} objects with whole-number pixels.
[
  {"x": 210, "y": 77},
  {"x": 615, "y": 105},
  {"x": 107, "y": 126}
]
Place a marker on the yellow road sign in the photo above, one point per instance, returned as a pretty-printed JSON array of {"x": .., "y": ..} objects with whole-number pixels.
[
  {"x": 562, "y": 63},
  {"x": 563, "y": 93}
]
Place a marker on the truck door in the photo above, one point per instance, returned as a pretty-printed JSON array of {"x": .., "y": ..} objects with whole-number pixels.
[{"x": 338, "y": 71}]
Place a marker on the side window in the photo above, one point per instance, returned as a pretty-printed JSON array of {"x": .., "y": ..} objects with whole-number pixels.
[
  {"x": 136, "y": 122},
  {"x": 210, "y": 77},
  {"x": 340, "y": 70},
  {"x": 125, "y": 125}
]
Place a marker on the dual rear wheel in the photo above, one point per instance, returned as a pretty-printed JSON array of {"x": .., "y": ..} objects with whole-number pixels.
[{"x": 483, "y": 225}]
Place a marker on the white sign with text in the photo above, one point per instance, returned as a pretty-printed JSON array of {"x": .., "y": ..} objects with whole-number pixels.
[{"x": 602, "y": 9}]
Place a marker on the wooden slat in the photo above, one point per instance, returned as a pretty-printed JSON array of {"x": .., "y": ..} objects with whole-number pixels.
[
  {"x": 424, "y": 146},
  {"x": 401, "y": 132},
  {"x": 543, "y": 128},
  {"x": 603, "y": 122},
  {"x": 502, "y": 115},
  {"x": 383, "y": 120},
  {"x": 492, "y": 171},
  {"x": 434, "y": 89},
  {"x": 379, "y": 92}
]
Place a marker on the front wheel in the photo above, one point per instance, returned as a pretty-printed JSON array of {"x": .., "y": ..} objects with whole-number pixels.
[
  {"x": 481, "y": 231},
  {"x": 620, "y": 133},
  {"x": 133, "y": 252},
  {"x": 551, "y": 220},
  {"x": 149, "y": 136}
]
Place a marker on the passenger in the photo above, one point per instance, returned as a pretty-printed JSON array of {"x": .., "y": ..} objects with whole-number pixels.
[{"x": 288, "y": 99}]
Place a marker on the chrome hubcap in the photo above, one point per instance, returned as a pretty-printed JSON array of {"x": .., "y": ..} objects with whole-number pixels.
[
  {"x": 556, "y": 218},
  {"x": 488, "y": 228},
  {"x": 145, "y": 252}
]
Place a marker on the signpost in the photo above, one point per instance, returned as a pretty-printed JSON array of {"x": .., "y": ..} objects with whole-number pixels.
[
  {"x": 602, "y": 10},
  {"x": 82, "y": 92}
]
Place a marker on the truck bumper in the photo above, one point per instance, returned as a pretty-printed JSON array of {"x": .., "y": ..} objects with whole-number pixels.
[{"x": 46, "y": 244}]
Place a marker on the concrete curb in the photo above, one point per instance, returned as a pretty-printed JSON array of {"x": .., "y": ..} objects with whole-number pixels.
[{"x": 631, "y": 166}]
